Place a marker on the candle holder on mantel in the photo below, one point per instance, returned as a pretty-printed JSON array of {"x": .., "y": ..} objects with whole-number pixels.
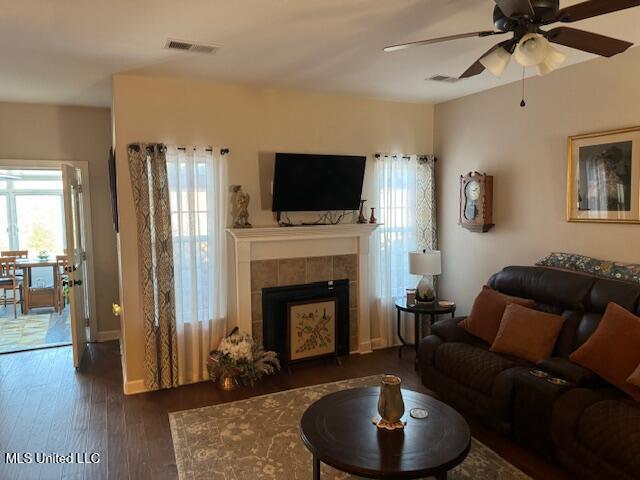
[
  {"x": 361, "y": 217},
  {"x": 373, "y": 219}
]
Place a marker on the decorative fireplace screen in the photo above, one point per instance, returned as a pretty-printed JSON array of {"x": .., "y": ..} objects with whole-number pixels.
[
  {"x": 304, "y": 322},
  {"x": 311, "y": 329}
]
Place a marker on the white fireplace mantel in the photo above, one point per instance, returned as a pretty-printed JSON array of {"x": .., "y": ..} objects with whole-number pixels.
[{"x": 265, "y": 243}]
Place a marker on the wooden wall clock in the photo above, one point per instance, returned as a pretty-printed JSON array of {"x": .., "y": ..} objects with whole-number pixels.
[{"x": 476, "y": 202}]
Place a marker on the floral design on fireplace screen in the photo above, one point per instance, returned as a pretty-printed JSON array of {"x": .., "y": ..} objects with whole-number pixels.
[{"x": 312, "y": 329}]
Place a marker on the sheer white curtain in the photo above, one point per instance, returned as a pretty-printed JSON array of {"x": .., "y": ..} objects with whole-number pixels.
[
  {"x": 197, "y": 182},
  {"x": 396, "y": 197}
]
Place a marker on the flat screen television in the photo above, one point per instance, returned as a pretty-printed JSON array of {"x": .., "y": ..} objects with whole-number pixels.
[{"x": 315, "y": 183}]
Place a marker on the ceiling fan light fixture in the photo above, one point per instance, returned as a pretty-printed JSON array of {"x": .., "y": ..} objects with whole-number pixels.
[
  {"x": 554, "y": 59},
  {"x": 532, "y": 50},
  {"x": 497, "y": 61}
]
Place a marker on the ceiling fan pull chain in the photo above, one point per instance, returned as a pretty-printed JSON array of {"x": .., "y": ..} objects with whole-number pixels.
[{"x": 523, "y": 103}]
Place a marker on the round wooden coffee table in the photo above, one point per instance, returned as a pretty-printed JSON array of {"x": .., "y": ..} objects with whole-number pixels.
[{"x": 338, "y": 431}]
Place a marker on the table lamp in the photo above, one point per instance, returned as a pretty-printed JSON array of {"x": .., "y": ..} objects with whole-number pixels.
[{"x": 426, "y": 262}]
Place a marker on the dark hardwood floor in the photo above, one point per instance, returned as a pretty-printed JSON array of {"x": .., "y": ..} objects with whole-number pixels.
[{"x": 47, "y": 406}]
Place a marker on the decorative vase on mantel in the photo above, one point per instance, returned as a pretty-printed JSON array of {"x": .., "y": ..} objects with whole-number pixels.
[{"x": 361, "y": 217}]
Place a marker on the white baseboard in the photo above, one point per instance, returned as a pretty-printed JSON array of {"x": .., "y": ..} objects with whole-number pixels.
[
  {"x": 134, "y": 386},
  {"x": 378, "y": 343},
  {"x": 108, "y": 335},
  {"x": 365, "y": 347}
]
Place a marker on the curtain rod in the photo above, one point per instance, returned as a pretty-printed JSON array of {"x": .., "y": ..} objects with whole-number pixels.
[
  {"x": 406, "y": 157},
  {"x": 152, "y": 146},
  {"x": 223, "y": 151}
]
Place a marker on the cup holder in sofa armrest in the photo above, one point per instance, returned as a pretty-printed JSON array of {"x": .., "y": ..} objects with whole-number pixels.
[
  {"x": 449, "y": 331},
  {"x": 572, "y": 372},
  {"x": 535, "y": 394}
]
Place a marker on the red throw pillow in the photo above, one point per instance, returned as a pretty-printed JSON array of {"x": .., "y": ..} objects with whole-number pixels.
[
  {"x": 527, "y": 333},
  {"x": 613, "y": 351},
  {"x": 486, "y": 313}
]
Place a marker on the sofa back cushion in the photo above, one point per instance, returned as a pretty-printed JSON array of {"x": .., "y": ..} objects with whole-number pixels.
[
  {"x": 486, "y": 313},
  {"x": 526, "y": 333},
  {"x": 613, "y": 350},
  {"x": 553, "y": 290},
  {"x": 579, "y": 297}
]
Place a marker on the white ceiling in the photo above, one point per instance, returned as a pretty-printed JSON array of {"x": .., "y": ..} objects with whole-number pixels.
[{"x": 65, "y": 51}]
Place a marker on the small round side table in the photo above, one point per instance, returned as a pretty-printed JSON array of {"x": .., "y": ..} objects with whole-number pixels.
[{"x": 418, "y": 309}]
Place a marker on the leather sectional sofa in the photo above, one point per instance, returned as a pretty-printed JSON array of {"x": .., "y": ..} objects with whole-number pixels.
[{"x": 588, "y": 425}]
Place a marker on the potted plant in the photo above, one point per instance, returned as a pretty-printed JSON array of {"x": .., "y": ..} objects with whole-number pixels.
[{"x": 239, "y": 357}]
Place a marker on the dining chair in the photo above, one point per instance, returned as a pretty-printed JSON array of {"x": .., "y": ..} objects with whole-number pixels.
[
  {"x": 18, "y": 254},
  {"x": 10, "y": 281},
  {"x": 15, "y": 253},
  {"x": 62, "y": 262}
]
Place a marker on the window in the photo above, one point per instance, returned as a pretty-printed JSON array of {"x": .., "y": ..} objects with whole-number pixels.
[
  {"x": 4, "y": 223},
  {"x": 197, "y": 193},
  {"x": 396, "y": 185},
  {"x": 32, "y": 211},
  {"x": 396, "y": 188},
  {"x": 198, "y": 232},
  {"x": 39, "y": 221}
]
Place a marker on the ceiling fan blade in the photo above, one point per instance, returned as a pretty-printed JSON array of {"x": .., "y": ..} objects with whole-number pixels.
[
  {"x": 593, "y": 8},
  {"x": 402, "y": 46},
  {"x": 516, "y": 8},
  {"x": 587, "y": 41},
  {"x": 477, "y": 68}
]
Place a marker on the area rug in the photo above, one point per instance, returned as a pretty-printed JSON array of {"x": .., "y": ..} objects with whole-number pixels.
[
  {"x": 26, "y": 331},
  {"x": 258, "y": 438}
]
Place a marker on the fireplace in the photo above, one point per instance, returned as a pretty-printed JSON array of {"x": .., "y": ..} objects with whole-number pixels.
[
  {"x": 279, "y": 302},
  {"x": 266, "y": 257}
]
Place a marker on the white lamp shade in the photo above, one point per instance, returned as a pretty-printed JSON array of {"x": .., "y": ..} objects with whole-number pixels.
[
  {"x": 554, "y": 59},
  {"x": 531, "y": 50},
  {"x": 428, "y": 262},
  {"x": 497, "y": 61}
]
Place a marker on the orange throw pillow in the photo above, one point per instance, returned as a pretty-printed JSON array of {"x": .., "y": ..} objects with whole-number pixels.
[
  {"x": 635, "y": 377},
  {"x": 613, "y": 351},
  {"x": 527, "y": 333},
  {"x": 486, "y": 313}
]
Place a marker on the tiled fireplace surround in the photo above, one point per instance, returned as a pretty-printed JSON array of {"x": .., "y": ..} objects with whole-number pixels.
[
  {"x": 264, "y": 257},
  {"x": 297, "y": 271}
]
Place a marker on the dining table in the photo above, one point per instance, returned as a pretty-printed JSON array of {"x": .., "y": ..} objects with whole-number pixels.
[{"x": 33, "y": 296}]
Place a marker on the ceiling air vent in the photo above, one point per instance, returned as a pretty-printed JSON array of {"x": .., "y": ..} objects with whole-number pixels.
[
  {"x": 444, "y": 78},
  {"x": 190, "y": 46}
]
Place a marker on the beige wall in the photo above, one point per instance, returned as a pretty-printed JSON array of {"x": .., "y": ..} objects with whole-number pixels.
[
  {"x": 50, "y": 132},
  {"x": 252, "y": 122},
  {"x": 525, "y": 151}
]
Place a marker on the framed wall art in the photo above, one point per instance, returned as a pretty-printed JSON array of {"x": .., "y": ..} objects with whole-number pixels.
[
  {"x": 312, "y": 329},
  {"x": 603, "y": 177}
]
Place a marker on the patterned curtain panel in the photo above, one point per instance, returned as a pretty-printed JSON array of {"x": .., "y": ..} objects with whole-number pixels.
[
  {"x": 426, "y": 206},
  {"x": 148, "y": 170},
  {"x": 426, "y": 203}
]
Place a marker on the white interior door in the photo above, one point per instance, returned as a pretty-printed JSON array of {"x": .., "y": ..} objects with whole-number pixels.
[{"x": 73, "y": 215}]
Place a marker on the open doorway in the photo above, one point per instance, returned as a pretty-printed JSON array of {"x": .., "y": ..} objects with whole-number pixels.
[
  {"x": 44, "y": 297},
  {"x": 34, "y": 311}
]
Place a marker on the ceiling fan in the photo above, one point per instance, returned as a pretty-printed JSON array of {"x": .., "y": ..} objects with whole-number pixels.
[{"x": 530, "y": 45}]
